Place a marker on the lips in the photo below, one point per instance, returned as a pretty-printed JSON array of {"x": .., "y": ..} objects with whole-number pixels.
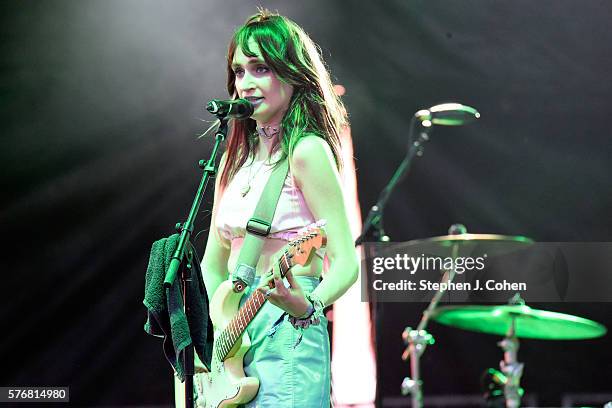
[{"x": 255, "y": 100}]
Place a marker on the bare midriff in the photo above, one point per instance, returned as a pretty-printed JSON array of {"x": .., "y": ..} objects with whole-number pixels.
[{"x": 272, "y": 250}]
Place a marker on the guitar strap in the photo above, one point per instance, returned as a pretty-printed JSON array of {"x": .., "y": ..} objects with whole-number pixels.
[{"x": 258, "y": 228}]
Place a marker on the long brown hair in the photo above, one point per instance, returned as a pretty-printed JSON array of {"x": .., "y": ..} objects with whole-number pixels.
[{"x": 314, "y": 108}]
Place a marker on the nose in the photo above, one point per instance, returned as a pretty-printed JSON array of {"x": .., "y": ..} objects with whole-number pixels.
[{"x": 245, "y": 84}]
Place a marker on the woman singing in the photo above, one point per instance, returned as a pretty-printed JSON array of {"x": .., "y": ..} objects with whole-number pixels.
[{"x": 275, "y": 65}]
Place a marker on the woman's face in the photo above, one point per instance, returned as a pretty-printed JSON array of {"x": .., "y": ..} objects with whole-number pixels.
[{"x": 256, "y": 82}]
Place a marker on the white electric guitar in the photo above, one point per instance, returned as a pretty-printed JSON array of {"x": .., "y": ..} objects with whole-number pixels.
[{"x": 226, "y": 385}]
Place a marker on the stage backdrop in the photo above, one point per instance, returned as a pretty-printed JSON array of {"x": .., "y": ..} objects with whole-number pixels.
[{"x": 101, "y": 104}]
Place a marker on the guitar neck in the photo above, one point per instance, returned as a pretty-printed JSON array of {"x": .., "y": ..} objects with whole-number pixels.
[{"x": 227, "y": 339}]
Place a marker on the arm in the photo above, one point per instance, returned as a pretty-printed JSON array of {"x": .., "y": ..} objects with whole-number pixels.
[
  {"x": 216, "y": 255},
  {"x": 314, "y": 169}
]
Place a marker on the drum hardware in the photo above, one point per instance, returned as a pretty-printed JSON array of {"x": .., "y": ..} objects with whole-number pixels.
[
  {"x": 457, "y": 243},
  {"x": 492, "y": 383},
  {"x": 517, "y": 320},
  {"x": 510, "y": 367}
]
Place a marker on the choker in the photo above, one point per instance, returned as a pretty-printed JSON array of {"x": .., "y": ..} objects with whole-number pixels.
[{"x": 269, "y": 131}]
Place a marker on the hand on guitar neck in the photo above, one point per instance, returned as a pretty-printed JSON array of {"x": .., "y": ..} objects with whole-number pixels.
[{"x": 291, "y": 299}]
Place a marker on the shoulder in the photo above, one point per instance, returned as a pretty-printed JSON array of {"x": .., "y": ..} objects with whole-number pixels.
[
  {"x": 309, "y": 151},
  {"x": 312, "y": 159}
]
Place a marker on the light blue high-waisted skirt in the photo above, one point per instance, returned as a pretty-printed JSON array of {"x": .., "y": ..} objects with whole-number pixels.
[{"x": 290, "y": 375}]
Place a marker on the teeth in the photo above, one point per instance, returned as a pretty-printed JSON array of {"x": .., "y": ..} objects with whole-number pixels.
[{"x": 254, "y": 100}]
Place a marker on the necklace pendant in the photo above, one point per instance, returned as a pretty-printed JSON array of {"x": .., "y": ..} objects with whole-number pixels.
[{"x": 245, "y": 190}]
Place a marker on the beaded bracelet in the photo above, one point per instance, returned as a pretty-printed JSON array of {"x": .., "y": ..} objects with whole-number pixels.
[{"x": 312, "y": 315}]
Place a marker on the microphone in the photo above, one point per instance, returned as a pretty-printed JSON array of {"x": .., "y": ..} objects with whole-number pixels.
[
  {"x": 233, "y": 108},
  {"x": 448, "y": 114}
]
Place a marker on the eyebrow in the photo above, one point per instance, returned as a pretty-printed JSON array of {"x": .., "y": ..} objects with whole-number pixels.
[{"x": 251, "y": 61}]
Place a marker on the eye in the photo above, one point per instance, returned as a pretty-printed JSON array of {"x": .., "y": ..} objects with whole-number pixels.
[
  {"x": 238, "y": 72},
  {"x": 262, "y": 69}
]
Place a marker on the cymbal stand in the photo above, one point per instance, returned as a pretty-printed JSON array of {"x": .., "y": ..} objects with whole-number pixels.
[
  {"x": 511, "y": 368},
  {"x": 417, "y": 340}
]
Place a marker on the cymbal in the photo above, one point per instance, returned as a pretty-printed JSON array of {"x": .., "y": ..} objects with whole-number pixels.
[
  {"x": 529, "y": 323},
  {"x": 490, "y": 244}
]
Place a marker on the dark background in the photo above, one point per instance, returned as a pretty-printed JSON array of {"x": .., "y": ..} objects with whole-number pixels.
[{"x": 101, "y": 102}]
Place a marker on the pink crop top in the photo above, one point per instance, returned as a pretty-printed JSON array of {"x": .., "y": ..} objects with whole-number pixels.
[{"x": 234, "y": 210}]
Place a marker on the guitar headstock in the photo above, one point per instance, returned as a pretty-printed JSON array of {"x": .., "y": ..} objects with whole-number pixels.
[{"x": 301, "y": 249}]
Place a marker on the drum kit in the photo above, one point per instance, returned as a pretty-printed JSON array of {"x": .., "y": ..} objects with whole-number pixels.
[{"x": 513, "y": 321}]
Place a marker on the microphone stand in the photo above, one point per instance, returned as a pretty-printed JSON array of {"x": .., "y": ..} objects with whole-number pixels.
[
  {"x": 448, "y": 114},
  {"x": 176, "y": 263},
  {"x": 374, "y": 218}
]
